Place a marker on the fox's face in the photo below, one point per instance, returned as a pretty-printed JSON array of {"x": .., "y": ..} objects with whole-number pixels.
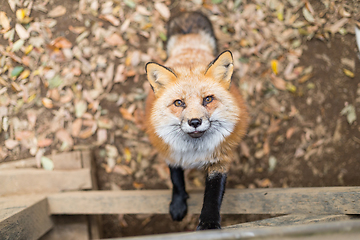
[{"x": 194, "y": 111}]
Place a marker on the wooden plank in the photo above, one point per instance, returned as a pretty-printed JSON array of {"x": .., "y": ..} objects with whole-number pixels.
[
  {"x": 62, "y": 161},
  {"x": 39, "y": 180},
  {"x": 293, "y": 219},
  {"x": 68, "y": 227},
  {"x": 87, "y": 161},
  {"x": 67, "y": 160},
  {"x": 313, "y": 231},
  {"x": 24, "y": 217},
  {"x": 331, "y": 200},
  {"x": 93, "y": 220}
]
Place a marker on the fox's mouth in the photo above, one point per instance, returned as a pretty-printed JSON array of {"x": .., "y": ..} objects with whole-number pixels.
[{"x": 196, "y": 134}]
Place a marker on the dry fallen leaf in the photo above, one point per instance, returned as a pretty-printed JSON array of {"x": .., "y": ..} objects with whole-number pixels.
[
  {"x": 126, "y": 114},
  {"x": 22, "y": 135},
  {"x": 61, "y": 42},
  {"x": 45, "y": 142},
  {"x": 64, "y": 136},
  {"x": 162, "y": 9},
  {"x": 127, "y": 154},
  {"x": 115, "y": 40},
  {"x": 47, "y": 103},
  {"x": 11, "y": 144},
  {"x": 57, "y": 11},
  {"x": 349, "y": 73},
  {"x": 86, "y": 133},
  {"x": 279, "y": 83},
  {"x": 4, "y": 21},
  {"x": 245, "y": 150},
  {"x": 21, "y": 31},
  {"x": 274, "y": 66},
  {"x": 110, "y": 18},
  {"x": 76, "y": 127},
  {"x": 263, "y": 183},
  {"x": 122, "y": 170},
  {"x": 290, "y": 132},
  {"x": 102, "y": 136}
]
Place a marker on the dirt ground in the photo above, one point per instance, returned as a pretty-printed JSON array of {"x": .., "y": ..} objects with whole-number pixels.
[{"x": 297, "y": 136}]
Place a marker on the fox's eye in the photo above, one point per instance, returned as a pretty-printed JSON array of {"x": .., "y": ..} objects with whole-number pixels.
[
  {"x": 208, "y": 100},
  {"x": 179, "y": 103}
]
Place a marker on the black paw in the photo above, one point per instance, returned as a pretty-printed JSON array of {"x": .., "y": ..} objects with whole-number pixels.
[
  {"x": 178, "y": 208},
  {"x": 208, "y": 225}
]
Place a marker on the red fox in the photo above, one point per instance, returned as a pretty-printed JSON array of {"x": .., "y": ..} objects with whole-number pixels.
[{"x": 195, "y": 117}]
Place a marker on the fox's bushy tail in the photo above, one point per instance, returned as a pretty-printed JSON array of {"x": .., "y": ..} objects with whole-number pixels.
[{"x": 190, "y": 22}]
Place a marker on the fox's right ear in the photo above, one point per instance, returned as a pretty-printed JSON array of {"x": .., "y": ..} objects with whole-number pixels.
[
  {"x": 221, "y": 69},
  {"x": 158, "y": 75}
]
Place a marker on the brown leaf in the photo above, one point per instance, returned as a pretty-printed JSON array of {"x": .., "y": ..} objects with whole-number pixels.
[
  {"x": 11, "y": 144},
  {"x": 122, "y": 170},
  {"x": 54, "y": 94},
  {"x": 110, "y": 18},
  {"x": 266, "y": 146},
  {"x": 115, "y": 40},
  {"x": 120, "y": 75},
  {"x": 142, "y": 10},
  {"x": 290, "y": 132},
  {"x": 162, "y": 9},
  {"x": 4, "y": 21},
  {"x": 64, "y": 136},
  {"x": 274, "y": 126},
  {"x": 61, "y": 42},
  {"x": 47, "y": 102},
  {"x": 76, "y": 127},
  {"x": 88, "y": 132},
  {"x": 263, "y": 183},
  {"x": 22, "y": 135},
  {"x": 138, "y": 185},
  {"x": 21, "y": 31},
  {"x": 245, "y": 150},
  {"x": 77, "y": 30},
  {"x": 126, "y": 114},
  {"x": 279, "y": 83},
  {"x": 305, "y": 78},
  {"x": 41, "y": 143},
  {"x": 67, "y": 97},
  {"x": 101, "y": 136},
  {"x": 336, "y": 26},
  {"x": 31, "y": 116},
  {"x": 57, "y": 11}
]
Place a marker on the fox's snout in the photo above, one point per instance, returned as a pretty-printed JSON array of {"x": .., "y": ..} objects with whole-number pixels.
[{"x": 195, "y": 122}]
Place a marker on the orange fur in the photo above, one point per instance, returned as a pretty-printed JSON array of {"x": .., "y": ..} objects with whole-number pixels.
[{"x": 190, "y": 79}]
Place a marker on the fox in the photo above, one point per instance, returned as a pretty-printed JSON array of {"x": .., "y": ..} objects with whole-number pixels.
[{"x": 195, "y": 117}]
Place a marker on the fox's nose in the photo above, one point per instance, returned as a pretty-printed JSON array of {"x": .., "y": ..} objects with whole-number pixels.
[{"x": 195, "y": 122}]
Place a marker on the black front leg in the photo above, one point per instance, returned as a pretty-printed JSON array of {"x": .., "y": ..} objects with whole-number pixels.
[
  {"x": 178, "y": 205},
  {"x": 214, "y": 192}
]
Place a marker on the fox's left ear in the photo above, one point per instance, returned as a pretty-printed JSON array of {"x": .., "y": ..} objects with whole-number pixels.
[
  {"x": 158, "y": 75},
  {"x": 221, "y": 69}
]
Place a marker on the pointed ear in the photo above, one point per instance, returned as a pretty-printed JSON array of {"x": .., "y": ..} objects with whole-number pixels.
[
  {"x": 158, "y": 75},
  {"x": 221, "y": 69}
]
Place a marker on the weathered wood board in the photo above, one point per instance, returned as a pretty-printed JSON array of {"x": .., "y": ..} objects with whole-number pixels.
[
  {"x": 330, "y": 200},
  {"x": 24, "y": 217},
  {"x": 30, "y": 180},
  {"x": 349, "y": 230},
  {"x": 68, "y": 227},
  {"x": 62, "y": 161},
  {"x": 293, "y": 219}
]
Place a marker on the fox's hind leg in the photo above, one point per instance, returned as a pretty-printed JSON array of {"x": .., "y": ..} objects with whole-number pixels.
[
  {"x": 178, "y": 205},
  {"x": 214, "y": 192}
]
